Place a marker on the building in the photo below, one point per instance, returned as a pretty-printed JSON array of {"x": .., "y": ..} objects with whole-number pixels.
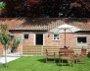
[{"x": 36, "y": 35}]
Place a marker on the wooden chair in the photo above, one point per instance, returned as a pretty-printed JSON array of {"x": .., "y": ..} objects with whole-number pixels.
[
  {"x": 79, "y": 58},
  {"x": 83, "y": 52},
  {"x": 50, "y": 55},
  {"x": 66, "y": 54}
]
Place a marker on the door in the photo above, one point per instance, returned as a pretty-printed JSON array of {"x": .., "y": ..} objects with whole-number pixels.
[{"x": 39, "y": 39}]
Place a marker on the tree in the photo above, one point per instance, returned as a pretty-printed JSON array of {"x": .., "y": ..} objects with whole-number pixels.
[
  {"x": 14, "y": 8},
  {"x": 48, "y": 8},
  {"x": 2, "y": 7},
  {"x": 4, "y": 39}
]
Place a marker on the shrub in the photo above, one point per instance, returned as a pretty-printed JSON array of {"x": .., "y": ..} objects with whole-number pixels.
[{"x": 16, "y": 43}]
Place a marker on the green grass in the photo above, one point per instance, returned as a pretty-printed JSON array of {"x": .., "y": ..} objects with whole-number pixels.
[{"x": 36, "y": 63}]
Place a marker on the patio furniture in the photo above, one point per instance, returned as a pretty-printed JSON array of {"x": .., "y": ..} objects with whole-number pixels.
[
  {"x": 66, "y": 54},
  {"x": 79, "y": 58},
  {"x": 50, "y": 55},
  {"x": 83, "y": 52}
]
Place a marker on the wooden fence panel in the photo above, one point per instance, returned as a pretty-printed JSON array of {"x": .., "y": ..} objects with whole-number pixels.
[
  {"x": 40, "y": 50},
  {"x": 51, "y": 49},
  {"x": 32, "y": 50}
]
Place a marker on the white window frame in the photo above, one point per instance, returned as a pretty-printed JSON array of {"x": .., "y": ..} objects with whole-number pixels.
[
  {"x": 34, "y": 39},
  {"x": 11, "y": 34},
  {"x": 24, "y": 35},
  {"x": 82, "y": 44},
  {"x": 56, "y": 38}
]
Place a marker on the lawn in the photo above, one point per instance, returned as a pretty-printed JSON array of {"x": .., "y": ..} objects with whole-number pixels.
[{"x": 36, "y": 63}]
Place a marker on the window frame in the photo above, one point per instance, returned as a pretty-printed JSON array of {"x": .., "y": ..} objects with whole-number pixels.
[
  {"x": 82, "y": 37},
  {"x": 12, "y": 36},
  {"x": 81, "y": 44},
  {"x": 56, "y": 38},
  {"x": 27, "y": 36}
]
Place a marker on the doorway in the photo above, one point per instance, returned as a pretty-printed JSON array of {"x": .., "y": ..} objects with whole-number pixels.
[{"x": 39, "y": 39}]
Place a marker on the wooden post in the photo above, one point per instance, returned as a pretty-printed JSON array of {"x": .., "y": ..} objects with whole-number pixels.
[
  {"x": 59, "y": 56},
  {"x": 42, "y": 51},
  {"x": 36, "y": 50},
  {"x": 46, "y": 53},
  {"x": 54, "y": 57},
  {"x": 65, "y": 37}
]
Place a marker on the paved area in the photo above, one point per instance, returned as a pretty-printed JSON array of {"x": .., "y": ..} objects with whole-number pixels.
[{"x": 10, "y": 57}]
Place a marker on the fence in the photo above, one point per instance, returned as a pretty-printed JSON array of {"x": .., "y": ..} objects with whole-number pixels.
[
  {"x": 40, "y": 50},
  {"x": 32, "y": 50}
]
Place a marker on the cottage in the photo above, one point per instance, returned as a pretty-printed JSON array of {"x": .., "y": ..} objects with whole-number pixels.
[{"x": 36, "y": 35}]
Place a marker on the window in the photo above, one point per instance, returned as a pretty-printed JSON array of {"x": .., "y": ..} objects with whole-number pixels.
[
  {"x": 81, "y": 39},
  {"x": 56, "y": 36},
  {"x": 11, "y": 36},
  {"x": 26, "y": 36}
]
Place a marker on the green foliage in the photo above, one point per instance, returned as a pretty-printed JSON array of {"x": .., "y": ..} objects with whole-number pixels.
[
  {"x": 4, "y": 39},
  {"x": 2, "y": 5},
  {"x": 16, "y": 42},
  {"x": 4, "y": 35},
  {"x": 3, "y": 28}
]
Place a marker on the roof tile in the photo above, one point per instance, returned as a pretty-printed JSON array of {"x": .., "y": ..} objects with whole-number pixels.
[{"x": 41, "y": 23}]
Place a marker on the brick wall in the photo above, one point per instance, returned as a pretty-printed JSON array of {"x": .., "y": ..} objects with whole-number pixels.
[
  {"x": 31, "y": 40},
  {"x": 49, "y": 41},
  {"x": 71, "y": 41},
  {"x": 1, "y": 49}
]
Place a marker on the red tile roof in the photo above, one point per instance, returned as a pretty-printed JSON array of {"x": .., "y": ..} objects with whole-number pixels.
[
  {"x": 11, "y": 22},
  {"x": 41, "y": 23}
]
